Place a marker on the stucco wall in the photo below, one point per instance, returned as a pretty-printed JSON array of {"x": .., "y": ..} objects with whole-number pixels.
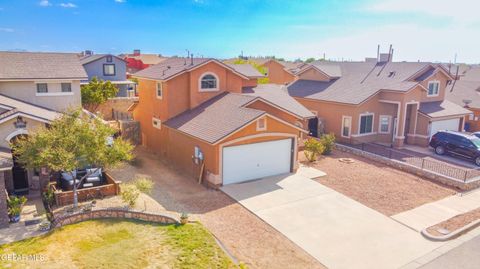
[
  {"x": 8, "y": 128},
  {"x": 277, "y": 73},
  {"x": 442, "y": 78},
  {"x": 27, "y": 91}
]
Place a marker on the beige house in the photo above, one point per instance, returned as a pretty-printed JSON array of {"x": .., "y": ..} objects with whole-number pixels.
[
  {"x": 378, "y": 100},
  {"x": 34, "y": 89}
]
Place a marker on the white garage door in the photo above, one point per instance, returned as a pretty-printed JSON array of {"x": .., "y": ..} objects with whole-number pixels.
[
  {"x": 252, "y": 161},
  {"x": 442, "y": 125}
]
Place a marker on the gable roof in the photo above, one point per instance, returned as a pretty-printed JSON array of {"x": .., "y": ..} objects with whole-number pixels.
[
  {"x": 40, "y": 65},
  {"x": 15, "y": 107},
  {"x": 358, "y": 80},
  {"x": 216, "y": 118},
  {"x": 443, "y": 108},
  {"x": 278, "y": 95},
  {"x": 464, "y": 90},
  {"x": 91, "y": 58},
  {"x": 176, "y": 66},
  {"x": 246, "y": 70}
]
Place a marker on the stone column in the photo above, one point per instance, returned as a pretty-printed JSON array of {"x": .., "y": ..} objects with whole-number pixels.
[{"x": 3, "y": 202}]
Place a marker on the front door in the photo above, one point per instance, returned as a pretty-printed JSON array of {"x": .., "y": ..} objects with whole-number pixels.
[{"x": 313, "y": 127}]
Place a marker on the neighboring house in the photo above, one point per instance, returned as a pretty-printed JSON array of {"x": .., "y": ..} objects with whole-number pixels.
[
  {"x": 34, "y": 89},
  {"x": 109, "y": 67},
  {"x": 276, "y": 71},
  {"x": 378, "y": 101},
  {"x": 193, "y": 112},
  {"x": 466, "y": 92},
  {"x": 138, "y": 61}
]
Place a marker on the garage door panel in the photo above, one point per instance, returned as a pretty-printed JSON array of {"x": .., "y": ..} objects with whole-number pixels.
[
  {"x": 252, "y": 161},
  {"x": 442, "y": 125}
]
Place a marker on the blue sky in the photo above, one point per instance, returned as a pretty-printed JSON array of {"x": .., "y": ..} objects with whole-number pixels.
[{"x": 427, "y": 30}]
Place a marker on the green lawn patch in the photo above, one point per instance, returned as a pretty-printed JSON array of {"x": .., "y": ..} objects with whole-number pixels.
[{"x": 120, "y": 244}]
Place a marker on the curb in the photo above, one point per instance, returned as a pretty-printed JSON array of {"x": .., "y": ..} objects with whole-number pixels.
[{"x": 451, "y": 235}]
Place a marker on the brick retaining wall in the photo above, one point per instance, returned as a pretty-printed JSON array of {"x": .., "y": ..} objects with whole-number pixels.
[
  {"x": 112, "y": 214},
  {"x": 449, "y": 181},
  {"x": 110, "y": 189}
]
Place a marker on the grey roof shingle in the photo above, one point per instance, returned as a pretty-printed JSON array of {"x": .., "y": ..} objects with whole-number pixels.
[
  {"x": 246, "y": 70},
  {"x": 278, "y": 95},
  {"x": 216, "y": 118},
  {"x": 358, "y": 81},
  {"x": 40, "y": 65},
  {"x": 464, "y": 90},
  {"x": 443, "y": 108}
]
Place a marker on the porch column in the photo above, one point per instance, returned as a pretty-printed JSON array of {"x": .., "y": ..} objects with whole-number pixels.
[
  {"x": 3, "y": 202},
  {"x": 399, "y": 136}
]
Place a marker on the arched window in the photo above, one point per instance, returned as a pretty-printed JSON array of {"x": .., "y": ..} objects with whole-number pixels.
[{"x": 209, "y": 82}]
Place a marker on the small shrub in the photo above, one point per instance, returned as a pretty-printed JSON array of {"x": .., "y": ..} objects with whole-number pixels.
[
  {"x": 15, "y": 204},
  {"x": 144, "y": 185},
  {"x": 129, "y": 194},
  {"x": 328, "y": 142},
  {"x": 313, "y": 148}
]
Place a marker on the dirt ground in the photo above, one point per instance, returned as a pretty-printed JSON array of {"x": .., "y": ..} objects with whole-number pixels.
[
  {"x": 380, "y": 187},
  {"x": 246, "y": 237},
  {"x": 456, "y": 222}
]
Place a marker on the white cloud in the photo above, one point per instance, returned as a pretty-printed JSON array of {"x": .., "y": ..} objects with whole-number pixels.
[
  {"x": 44, "y": 3},
  {"x": 410, "y": 43},
  {"x": 465, "y": 11},
  {"x": 68, "y": 5},
  {"x": 120, "y": 1},
  {"x": 7, "y": 30}
]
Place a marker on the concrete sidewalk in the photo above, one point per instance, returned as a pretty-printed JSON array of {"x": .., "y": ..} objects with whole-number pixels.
[
  {"x": 336, "y": 230},
  {"x": 432, "y": 213}
]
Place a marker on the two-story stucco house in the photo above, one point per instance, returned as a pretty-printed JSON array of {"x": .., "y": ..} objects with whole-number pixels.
[
  {"x": 212, "y": 121},
  {"x": 109, "y": 67},
  {"x": 378, "y": 101},
  {"x": 34, "y": 89}
]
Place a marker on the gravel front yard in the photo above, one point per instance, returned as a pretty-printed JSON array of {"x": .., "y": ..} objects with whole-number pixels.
[
  {"x": 455, "y": 223},
  {"x": 246, "y": 237},
  {"x": 377, "y": 186}
]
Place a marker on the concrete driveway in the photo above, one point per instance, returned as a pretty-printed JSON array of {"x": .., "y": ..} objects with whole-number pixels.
[{"x": 336, "y": 230}]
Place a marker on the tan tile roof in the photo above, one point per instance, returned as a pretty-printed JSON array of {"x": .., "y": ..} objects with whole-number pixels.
[
  {"x": 246, "y": 70},
  {"x": 40, "y": 65},
  {"x": 358, "y": 81},
  {"x": 216, "y": 118},
  {"x": 170, "y": 68},
  {"x": 278, "y": 95},
  {"x": 443, "y": 108},
  {"x": 464, "y": 90}
]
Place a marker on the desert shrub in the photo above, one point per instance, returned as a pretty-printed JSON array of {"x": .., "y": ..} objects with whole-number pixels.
[
  {"x": 328, "y": 142},
  {"x": 129, "y": 194},
  {"x": 144, "y": 185},
  {"x": 312, "y": 149}
]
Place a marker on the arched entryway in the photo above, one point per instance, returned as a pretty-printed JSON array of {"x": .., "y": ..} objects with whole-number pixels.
[{"x": 19, "y": 173}]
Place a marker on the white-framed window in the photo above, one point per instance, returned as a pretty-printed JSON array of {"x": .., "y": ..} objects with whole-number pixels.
[
  {"x": 159, "y": 91},
  {"x": 157, "y": 123},
  {"x": 262, "y": 124},
  {"x": 365, "y": 125},
  {"x": 346, "y": 126},
  {"x": 433, "y": 88},
  {"x": 109, "y": 70},
  {"x": 384, "y": 124},
  {"x": 42, "y": 87},
  {"x": 470, "y": 117},
  {"x": 208, "y": 82},
  {"x": 66, "y": 87}
]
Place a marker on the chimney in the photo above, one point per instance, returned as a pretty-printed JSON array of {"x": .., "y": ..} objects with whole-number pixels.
[
  {"x": 136, "y": 52},
  {"x": 191, "y": 59},
  {"x": 378, "y": 53}
]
